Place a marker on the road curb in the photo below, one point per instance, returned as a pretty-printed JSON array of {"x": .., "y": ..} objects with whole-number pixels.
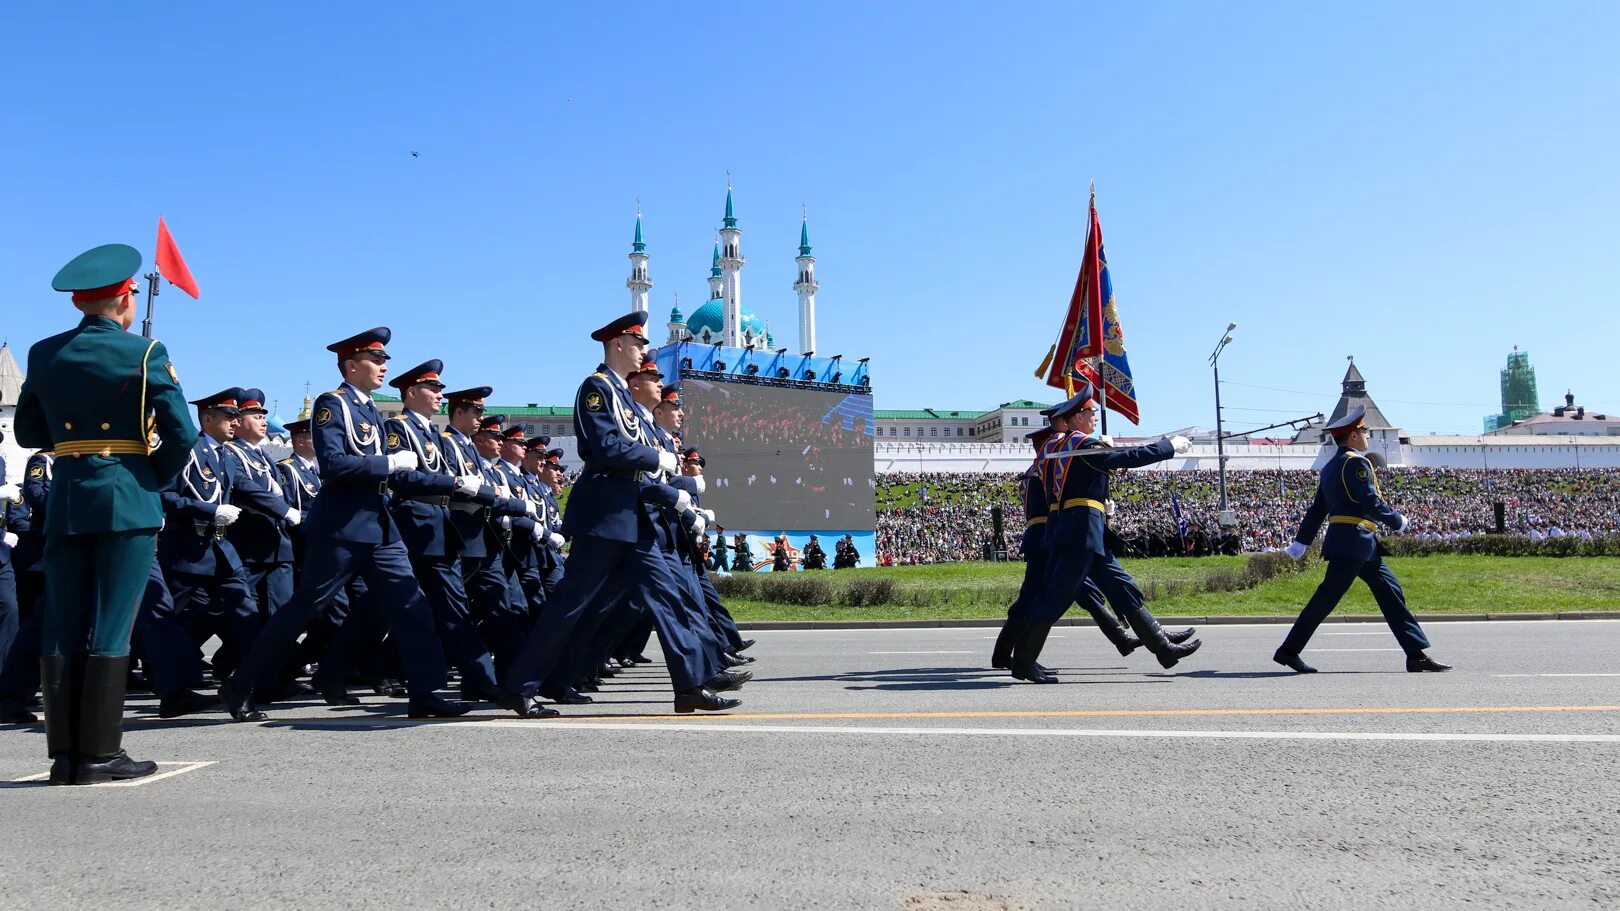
[{"x": 995, "y": 623}]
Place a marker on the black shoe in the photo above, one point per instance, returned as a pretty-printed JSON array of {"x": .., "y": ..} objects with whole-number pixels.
[
  {"x": 643, "y": 659},
  {"x": 1130, "y": 644},
  {"x": 61, "y": 770},
  {"x": 13, "y": 713},
  {"x": 568, "y": 697},
  {"x": 703, "y": 700},
  {"x": 626, "y": 662},
  {"x": 185, "y": 702},
  {"x": 523, "y": 706},
  {"x": 239, "y": 705},
  {"x": 730, "y": 660},
  {"x": 729, "y": 679},
  {"x": 608, "y": 669},
  {"x": 746, "y": 645},
  {"x": 1035, "y": 674},
  {"x": 117, "y": 767},
  {"x": 741, "y": 659},
  {"x": 432, "y": 706},
  {"x": 391, "y": 688},
  {"x": 338, "y": 694},
  {"x": 285, "y": 692},
  {"x": 1001, "y": 662},
  {"x": 589, "y": 686},
  {"x": 1180, "y": 636},
  {"x": 1170, "y": 656},
  {"x": 1420, "y": 662},
  {"x": 1293, "y": 663}
]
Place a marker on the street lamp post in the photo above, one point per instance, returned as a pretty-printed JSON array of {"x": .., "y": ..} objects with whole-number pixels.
[{"x": 1226, "y": 517}]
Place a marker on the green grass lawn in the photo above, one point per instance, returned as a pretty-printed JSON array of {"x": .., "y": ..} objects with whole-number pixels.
[{"x": 1434, "y": 585}]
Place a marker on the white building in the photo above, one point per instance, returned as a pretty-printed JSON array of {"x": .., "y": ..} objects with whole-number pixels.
[
  {"x": 11, "y": 380},
  {"x": 1567, "y": 420}
]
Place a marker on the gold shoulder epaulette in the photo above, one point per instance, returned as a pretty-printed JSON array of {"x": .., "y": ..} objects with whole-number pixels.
[
  {"x": 599, "y": 375},
  {"x": 286, "y": 461}
]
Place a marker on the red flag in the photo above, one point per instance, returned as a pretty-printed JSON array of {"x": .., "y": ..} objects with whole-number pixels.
[
  {"x": 1081, "y": 336},
  {"x": 171, "y": 263}
]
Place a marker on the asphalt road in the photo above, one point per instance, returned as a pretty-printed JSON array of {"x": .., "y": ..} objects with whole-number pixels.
[{"x": 891, "y": 769}]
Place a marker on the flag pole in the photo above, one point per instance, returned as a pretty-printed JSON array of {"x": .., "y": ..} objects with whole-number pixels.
[
  {"x": 1102, "y": 352},
  {"x": 151, "y": 294}
]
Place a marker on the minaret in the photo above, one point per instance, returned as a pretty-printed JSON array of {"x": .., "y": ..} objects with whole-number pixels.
[
  {"x": 638, "y": 283},
  {"x": 731, "y": 263},
  {"x": 677, "y": 322},
  {"x": 716, "y": 279},
  {"x": 807, "y": 287}
]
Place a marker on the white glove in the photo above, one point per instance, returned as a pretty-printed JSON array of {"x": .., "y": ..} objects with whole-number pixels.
[
  {"x": 1401, "y": 527},
  {"x": 11, "y": 539},
  {"x": 1106, "y": 440},
  {"x": 557, "y": 541},
  {"x": 225, "y": 514},
  {"x": 293, "y": 516},
  {"x": 1180, "y": 443},
  {"x": 1295, "y": 550},
  {"x": 10, "y": 493},
  {"x": 708, "y": 515},
  {"x": 668, "y": 463},
  {"x": 528, "y": 507},
  {"x": 1109, "y": 508},
  {"x": 539, "y": 533},
  {"x": 696, "y": 523},
  {"x": 404, "y": 460},
  {"x": 683, "y": 501},
  {"x": 701, "y": 485},
  {"x": 469, "y": 483}
]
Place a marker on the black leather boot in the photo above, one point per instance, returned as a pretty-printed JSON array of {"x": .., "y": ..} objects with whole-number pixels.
[
  {"x": 101, "y": 725},
  {"x": 1115, "y": 632},
  {"x": 1001, "y": 654},
  {"x": 1025, "y": 652},
  {"x": 57, "y": 687},
  {"x": 1153, "y": 636}
]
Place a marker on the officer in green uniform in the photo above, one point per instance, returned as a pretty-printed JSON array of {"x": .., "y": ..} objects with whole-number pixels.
[{"x": 88, "y": 396}]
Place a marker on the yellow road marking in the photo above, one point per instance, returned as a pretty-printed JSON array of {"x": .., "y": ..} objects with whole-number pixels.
[{"x": 1105, "y": 713}]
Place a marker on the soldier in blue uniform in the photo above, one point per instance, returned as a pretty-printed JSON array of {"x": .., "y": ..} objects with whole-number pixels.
[
  {"x": 352, "y": 533},
  {"x": 1348, "y": 498},
  {"x": 95, "y": 395},
  {"x": 260, "y": 534},
  {"x": 421, "y": 507},
  {"x": 1077, "y": 491},
  {"x": 13, "y": 523},
  {"x": 204, "y": 573},
  {"x": 19, "y": 666},
  {"x": 613, "y": 551}
]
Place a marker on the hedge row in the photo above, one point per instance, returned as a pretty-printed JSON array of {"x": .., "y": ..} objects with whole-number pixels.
[{"x": 1507, "y": 546}]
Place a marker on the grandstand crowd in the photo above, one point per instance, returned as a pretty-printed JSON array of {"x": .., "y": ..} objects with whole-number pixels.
[{"x": 947, "y": 517}]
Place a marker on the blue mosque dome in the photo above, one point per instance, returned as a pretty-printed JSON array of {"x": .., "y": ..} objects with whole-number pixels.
[{"x": 711, "y": 317}]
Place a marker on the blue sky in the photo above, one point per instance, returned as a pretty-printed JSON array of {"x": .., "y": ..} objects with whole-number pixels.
[{"x": 1420, "y": 185}]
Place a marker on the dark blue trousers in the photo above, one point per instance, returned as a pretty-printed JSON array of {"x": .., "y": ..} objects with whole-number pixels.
[
  {"x": 440, "y": 578},
  {"x": 170, "y": 654},
  {"x": 599, "y": 572},
  {"x": 219, "y": 605},
  {"x": 725, "y": 626},
  {"x": 1386, "y": 591},
  {"x": 328, "y": 568},
  {"x": 271, "y": 584},
  {"x": 19, "y": 666}
]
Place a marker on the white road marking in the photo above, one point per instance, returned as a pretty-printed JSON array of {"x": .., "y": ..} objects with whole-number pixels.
[
  {"x": 962, "y": 652},
  {"x": 1556, "y": 675},
  {"x": 181, "y": 769},
  {"x": 707, "y": 727},
  {"x": 1314, "y": 650}
]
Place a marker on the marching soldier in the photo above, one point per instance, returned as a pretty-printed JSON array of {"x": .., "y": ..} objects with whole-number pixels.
[
  {"x": 814, "y": 556},
  {"x": 614, "y": 551},
  {"x": 88, "y": 397},
  {"x": 1077, "y": 489},
  {"x": 421, "y": 507},
  {"x": 353, "y": 534},
  {"x": 1348, "y": 498},
  {"x": 721, "y": 549},
  {"x": 260, "y": 534}
]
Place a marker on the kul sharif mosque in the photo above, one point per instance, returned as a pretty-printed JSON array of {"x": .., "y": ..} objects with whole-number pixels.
[{"x": 722, "y": 320}]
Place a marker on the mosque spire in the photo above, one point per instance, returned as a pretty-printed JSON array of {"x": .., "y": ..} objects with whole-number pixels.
[
  {"x": 638, "y": 282},
  {"x": 806, "y": 286},
  {"x": 731, "y": 263},
  {"x": 716, "y": 276}
]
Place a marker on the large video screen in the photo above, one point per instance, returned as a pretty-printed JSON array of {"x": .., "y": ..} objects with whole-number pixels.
[{"x": 781, "y": 458}]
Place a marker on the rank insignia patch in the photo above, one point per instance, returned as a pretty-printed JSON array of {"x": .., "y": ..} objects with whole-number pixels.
[
  {"x": 38, "y": 471},
  {"x": 393, "y": 441},
  {"x": 593, "y": 401},
  {"x": 174, "y": 376},
  {"x": 323, "y": 417},
  {"x": 1361, "y": 472}
]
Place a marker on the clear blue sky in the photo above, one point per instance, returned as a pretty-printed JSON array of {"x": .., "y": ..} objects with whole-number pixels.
[{"x": 1423, "y": 186}]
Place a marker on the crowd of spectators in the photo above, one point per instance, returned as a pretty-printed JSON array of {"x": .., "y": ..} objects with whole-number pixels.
[{"x": 945, "y": 517}]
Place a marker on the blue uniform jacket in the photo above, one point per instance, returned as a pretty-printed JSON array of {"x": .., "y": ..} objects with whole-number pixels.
[
  {"x": 1347, "y": 487},
  {"x": 1032, "y": 491},
  {"x": 190, "y": 541},
  {"x": 612, "y": 443},
  {"x": 353, "y": 505},
  {"x": 29, "y": 555},
  {"x": 298, "y": 483},
  {"x": 469, "y": 512},
  {"x": 421, "y": 502},
  {"x": 1071, "y": 522},
  {"x": 260, "y": 534}
]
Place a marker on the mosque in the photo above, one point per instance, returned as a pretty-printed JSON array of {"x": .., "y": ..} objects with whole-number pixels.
[{"x": 722, "y": 319}]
